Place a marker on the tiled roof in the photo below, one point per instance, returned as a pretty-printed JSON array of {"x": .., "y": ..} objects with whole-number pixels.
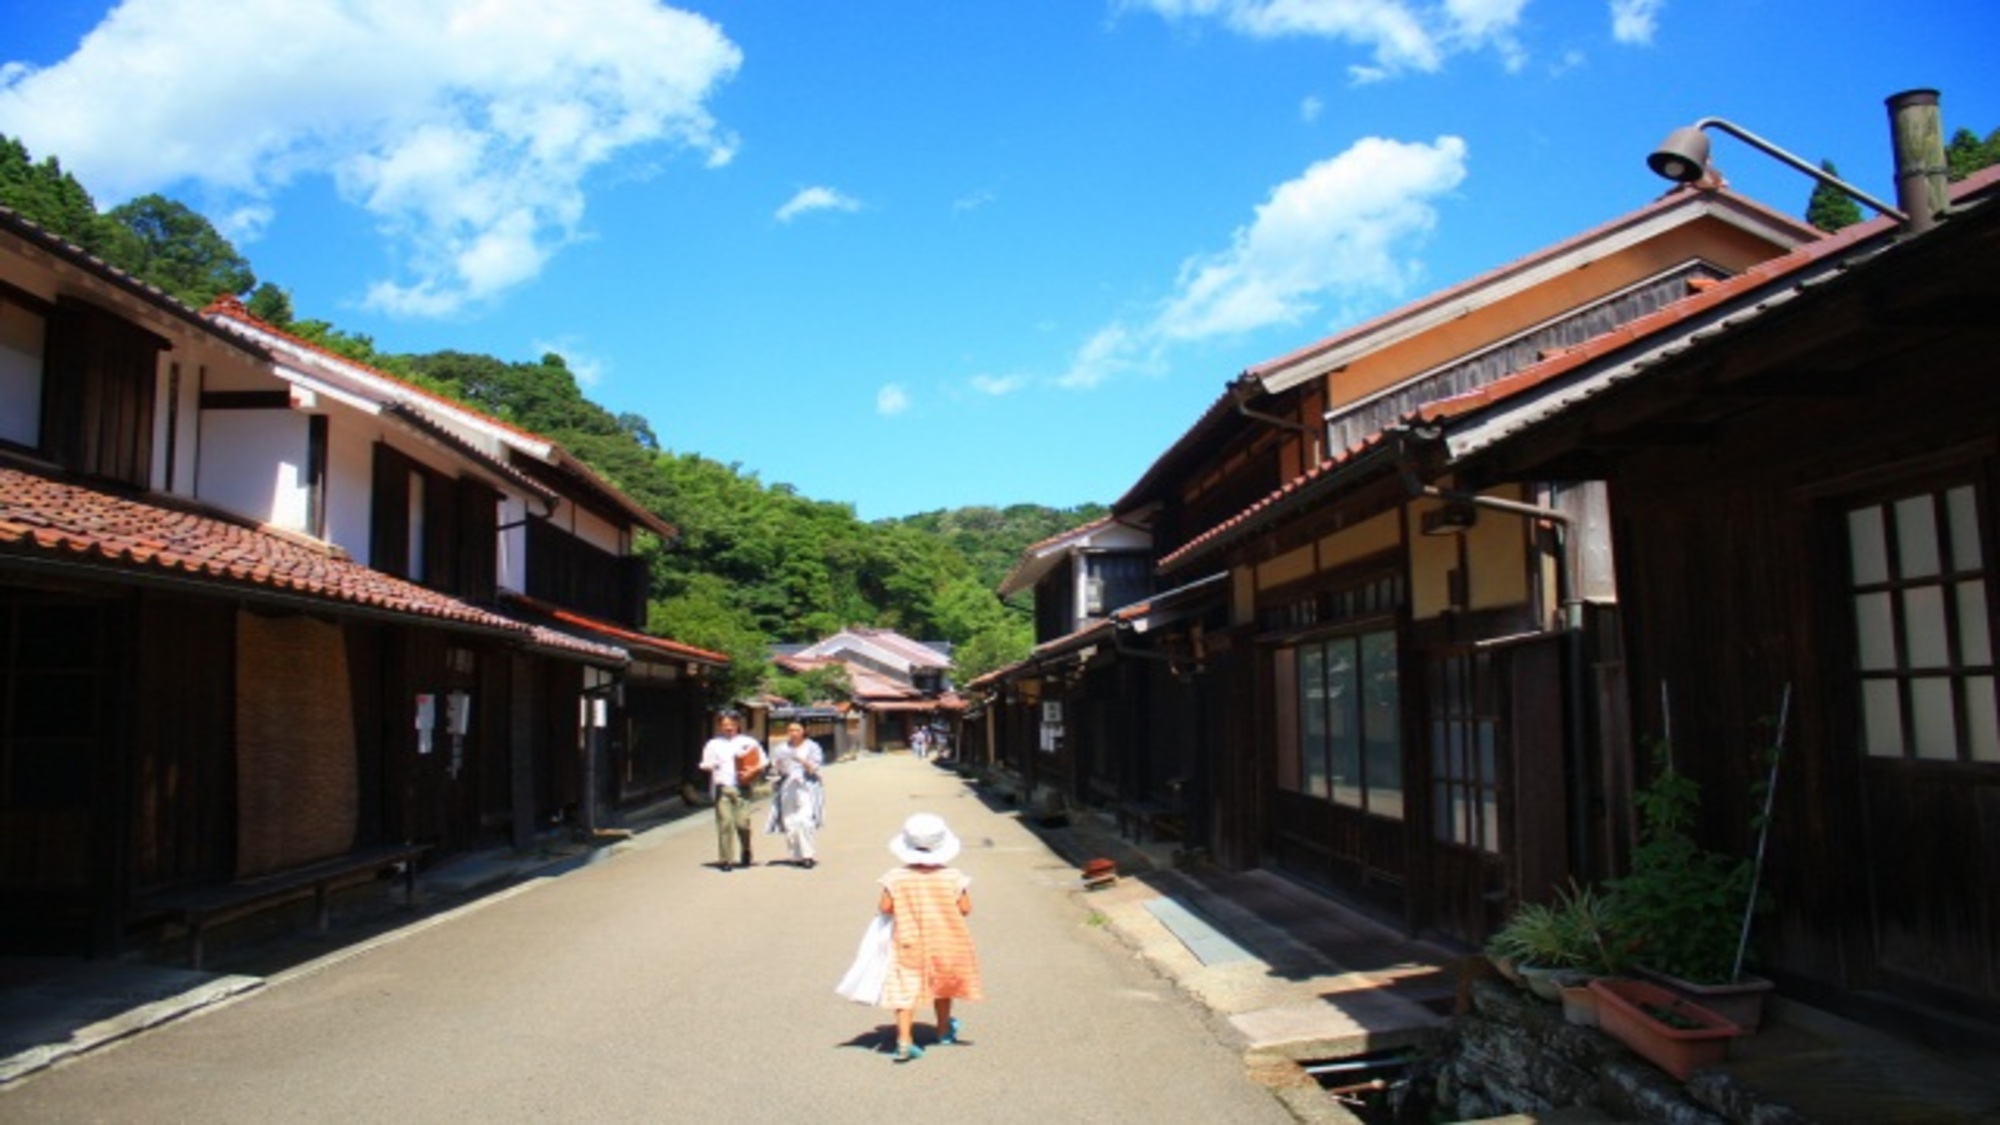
[
  {"x": 1700, "y": 199},
  {"x": 919, "y": 654},
  {"x": 54, "y": 521},
  {"x": 1080, "y": 637},
  {"x": 1703, "y": 201},
  {"x": 1038, "y": 559},
  {"x": 885, "y": 643},
  {"x": 1145, "y": 489},
  {"x": 1072, "y": 533},
  {"x": 13, "y": 222},
  {"x": 1272, "y": 505},
  {"x": 1726, "y": 307},
  {"x": 661, "y": 646},
  {"x": 1687, "y": 315},
  {"x": 988, "y": 679},
  {"x": 228, "y": 312}
]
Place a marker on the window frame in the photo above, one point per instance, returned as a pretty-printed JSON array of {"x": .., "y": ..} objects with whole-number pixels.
[
  {"x": 1352, "y": 616},
  {"x": 1904, "y": 671}
]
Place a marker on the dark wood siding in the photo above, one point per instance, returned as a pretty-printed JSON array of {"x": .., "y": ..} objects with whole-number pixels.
[
  {"x": 98, "y": 396},
  {"x": 63, "y": 708},
  {"x": 1732, "y": 553},
  {"x": 569, "y": 572},
  {"x": 184, "y": 827}
]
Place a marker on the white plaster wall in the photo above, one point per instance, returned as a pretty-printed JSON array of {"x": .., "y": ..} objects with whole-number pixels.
[
  {"x": 350, "y": 475},
  {"x": 253, "y": 462},
  {"x": 597, "y": 532},
  {"x": 23, "y": 342}
]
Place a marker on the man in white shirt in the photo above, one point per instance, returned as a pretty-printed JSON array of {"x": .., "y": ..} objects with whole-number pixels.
[{"x": 733, "y": 761}]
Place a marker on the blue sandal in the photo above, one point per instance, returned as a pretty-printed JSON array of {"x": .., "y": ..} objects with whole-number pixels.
[
  {"x": 908, "y": 1052},
  {"x": 950, "y": 1036}
]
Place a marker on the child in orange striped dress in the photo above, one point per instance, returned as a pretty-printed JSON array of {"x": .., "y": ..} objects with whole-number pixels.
[{"x": 934, "y": 957}]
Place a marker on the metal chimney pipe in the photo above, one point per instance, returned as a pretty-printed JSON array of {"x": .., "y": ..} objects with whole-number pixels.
[{"x": 1916, "y": 130}]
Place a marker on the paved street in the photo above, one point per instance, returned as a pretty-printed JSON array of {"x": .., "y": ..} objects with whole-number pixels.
[{"x": 654, "y": 987}]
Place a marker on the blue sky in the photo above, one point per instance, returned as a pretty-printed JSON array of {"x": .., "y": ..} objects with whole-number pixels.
[{"x": 917, "y": 255}]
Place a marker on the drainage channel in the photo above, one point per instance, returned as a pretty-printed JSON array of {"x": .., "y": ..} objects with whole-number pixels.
[{"x": 1371, "y": 1087}]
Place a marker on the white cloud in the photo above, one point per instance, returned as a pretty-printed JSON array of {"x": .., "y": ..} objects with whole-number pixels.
[
  {"x": 1111, "y": 351},
  {"x": 973, "y": 201},
  {"x": 465, "y": 127},
  {"x": 1634, "y": 21},
  {"x": 1345, "y": 229},
  {"x": 813, "y": 199},
  {"x": 1311, "y": 108},
  {"x": 1399, "y": 35},
  {"x": 891, "y": 400},
  {"x": 997, "y": 385}
]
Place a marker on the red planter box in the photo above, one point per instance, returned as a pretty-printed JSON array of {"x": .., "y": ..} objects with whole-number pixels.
[{"x": 1622, "y": 1011}]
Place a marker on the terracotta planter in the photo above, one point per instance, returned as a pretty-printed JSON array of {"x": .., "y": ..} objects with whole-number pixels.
[
  {"x": 1741, "y": 1001},
  {"x": 1580, "y": 1004},
  {"x": 1630, "y": 1011}
]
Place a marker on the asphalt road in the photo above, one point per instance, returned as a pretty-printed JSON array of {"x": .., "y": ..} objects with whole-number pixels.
[{"x": 652, "y": 987}]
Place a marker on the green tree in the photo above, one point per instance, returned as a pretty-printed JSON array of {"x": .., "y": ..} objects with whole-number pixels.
[
  {"x": 271, "y": 305},
  {"x": 698, "y": 613},
  {"x": 181, "y": 252},
  {"x": 989, "y": 650},
  {"x": 1966, "y": 153},
  {"x": 640, "y": 431},
  {"x": 1831, "y": 209},
  {"x": 53, "y": 199}
]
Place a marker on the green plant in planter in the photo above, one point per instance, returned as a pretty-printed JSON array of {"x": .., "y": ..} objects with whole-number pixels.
[
  {"x": 1681, "y": 906},
  {"x": 1574, "y": 932}
]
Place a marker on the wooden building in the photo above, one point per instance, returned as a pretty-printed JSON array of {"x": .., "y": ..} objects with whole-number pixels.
[
  {"x": 1406, "y": 692},
  {"x": 1804, "y": 469},
  {"x": 899, "y": 685},
  {"x": 256, "y": 610}
]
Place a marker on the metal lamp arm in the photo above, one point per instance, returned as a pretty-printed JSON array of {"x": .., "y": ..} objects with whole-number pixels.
[{"x": 1835, "y": 182}]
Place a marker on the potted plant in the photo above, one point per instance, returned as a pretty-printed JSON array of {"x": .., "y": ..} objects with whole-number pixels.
[
  {"x": 1554, "y": 945},
  {"x": 1683, "y": 908},
  {"x": 1672, "y": 1032}
]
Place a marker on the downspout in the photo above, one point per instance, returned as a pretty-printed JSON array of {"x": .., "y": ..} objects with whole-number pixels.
[
  {"x": 1243, "y": 389},
  {"x": 1575, "y": 719}
]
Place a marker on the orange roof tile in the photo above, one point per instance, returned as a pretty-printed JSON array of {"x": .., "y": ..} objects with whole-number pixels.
[
  {"x": 661, "y": 645},
  {"x": 61, "y": 522},
  {"x": 1702, "y": 300}
]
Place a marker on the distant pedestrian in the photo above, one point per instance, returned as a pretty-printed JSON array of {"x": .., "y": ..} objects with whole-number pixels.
[
  {"x": 734, "y": 761},
  {"x": 798, "y": 797},
  {"x": 920, "y": 742},
  {"x": 934, "y": 959}
]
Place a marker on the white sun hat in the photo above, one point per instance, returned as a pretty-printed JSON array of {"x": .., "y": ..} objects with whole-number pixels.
[{"x": 924, "y": 841}]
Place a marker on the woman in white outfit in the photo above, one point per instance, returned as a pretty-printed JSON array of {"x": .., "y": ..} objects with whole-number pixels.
[{"x": 798, "y": 803}]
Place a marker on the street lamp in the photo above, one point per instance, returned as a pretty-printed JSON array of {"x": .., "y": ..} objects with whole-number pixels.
[
  {"x": 1683, "y": 158},
  {"x": 1916, "y": 133}
]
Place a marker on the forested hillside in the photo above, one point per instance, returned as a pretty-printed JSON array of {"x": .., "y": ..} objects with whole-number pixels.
[{"x": 755, "y": 564}]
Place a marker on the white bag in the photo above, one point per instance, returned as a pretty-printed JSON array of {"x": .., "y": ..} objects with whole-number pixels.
[{"x": 863, "y": 982}]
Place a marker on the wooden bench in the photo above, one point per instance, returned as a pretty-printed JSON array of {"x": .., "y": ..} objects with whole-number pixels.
[{"x": 198, "y": 908}]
